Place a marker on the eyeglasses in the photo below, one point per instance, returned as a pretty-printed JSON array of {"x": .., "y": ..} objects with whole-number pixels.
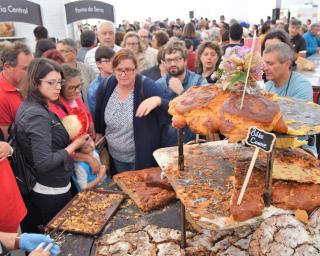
[
  {"x": 54, "y": 83},
  {"x": 105, "y": 60},
  {"x": 72, "y": 88},
  {"x": 132, "y": 44},
  {"x": 126, "y": 71},
  {"x": 66, "y": 51},
  {"x": 175, "y": 60}
]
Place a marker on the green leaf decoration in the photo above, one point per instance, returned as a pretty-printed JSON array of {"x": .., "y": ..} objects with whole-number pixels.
[{"x": 239, "y": 77}]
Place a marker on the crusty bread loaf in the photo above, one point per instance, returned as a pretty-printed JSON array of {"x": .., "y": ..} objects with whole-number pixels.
[
  {"x": 153, "y": 179},
  {"x": 293, "y": 195},
  {"x": 252, "y": 203},
  {"x": 258, "y": 111},
  {"x": 208, "y": 109},
  {"x": 304, "y": 64},
  {"x": 198, "y": 108},
  {"x": 296, "y": 165},
  {"x": 133, "y": 183}
]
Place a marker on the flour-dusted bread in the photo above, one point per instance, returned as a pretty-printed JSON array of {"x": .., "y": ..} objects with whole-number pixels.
[{"x": 285, "y": 235}]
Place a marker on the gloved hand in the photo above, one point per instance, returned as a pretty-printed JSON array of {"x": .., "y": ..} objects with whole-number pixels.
[
  {"x": 39, "y": 253},
  {"x": 29, "y": 242}
]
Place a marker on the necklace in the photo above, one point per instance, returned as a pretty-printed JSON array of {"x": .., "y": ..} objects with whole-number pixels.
[{"x": 288, "y": 84}]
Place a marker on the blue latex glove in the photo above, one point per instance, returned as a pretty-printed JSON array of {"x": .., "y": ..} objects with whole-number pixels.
[{"x": 29, "y": 242}]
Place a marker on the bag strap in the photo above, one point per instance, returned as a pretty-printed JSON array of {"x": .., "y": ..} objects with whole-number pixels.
[
  {"x": 105, "y": 84},
  {"x": 142, "y": 86}
]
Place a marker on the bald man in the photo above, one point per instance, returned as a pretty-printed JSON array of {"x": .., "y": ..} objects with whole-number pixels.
[{"x": 106, "y": 34}]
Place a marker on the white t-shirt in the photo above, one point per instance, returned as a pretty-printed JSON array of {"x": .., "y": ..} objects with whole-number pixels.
[
  {"x": 82, "y": 177},
  {"x": 91, "y": 60}
]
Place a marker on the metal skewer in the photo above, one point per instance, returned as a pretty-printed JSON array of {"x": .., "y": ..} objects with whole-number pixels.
[
  {"x": 267, "y": 194},
  {"x": 182, "y": 208},
  {"x": 57, "y": 227},
  {"x": 180, "y": 148},
  {"x": 56, "y": 239}
]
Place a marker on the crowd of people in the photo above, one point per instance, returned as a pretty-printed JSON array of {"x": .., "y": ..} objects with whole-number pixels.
[{"x": 117, "y": 82}]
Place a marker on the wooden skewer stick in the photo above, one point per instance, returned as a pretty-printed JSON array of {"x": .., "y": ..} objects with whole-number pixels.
[
  {"x": 246, "y": 181},
  {"x": 249, "y": 67},
  {"x": 100, "y": 141}
]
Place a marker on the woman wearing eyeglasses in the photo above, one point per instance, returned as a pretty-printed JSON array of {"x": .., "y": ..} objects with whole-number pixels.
[
  {"x": 45, "y": 144},
  {"x": 127, "y": 114},
  {"x": 70, "y": 101},
  {"x": 133, "y": 42}
]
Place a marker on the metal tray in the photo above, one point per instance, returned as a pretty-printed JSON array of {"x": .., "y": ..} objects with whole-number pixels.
[{"x": 66, "y": 213}]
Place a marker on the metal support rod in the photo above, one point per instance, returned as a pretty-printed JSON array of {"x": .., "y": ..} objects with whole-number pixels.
[
  {"x": 180, "y": 148},
  {"x": 183, "y": 241},
  {"x": 267, "y": 195}
]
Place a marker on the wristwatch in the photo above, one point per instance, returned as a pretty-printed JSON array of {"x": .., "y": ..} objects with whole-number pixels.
[
  {"x": 11, "y": 152},
  {"x": 17, "y": 242}
]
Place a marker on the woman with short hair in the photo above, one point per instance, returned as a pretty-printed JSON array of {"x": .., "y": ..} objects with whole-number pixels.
[
  {"x": 126, "y": 114},
  {"x": 70, "y": 101},
  {"x": 133, "y": 42},
  {"x": 159, "y": 39}
]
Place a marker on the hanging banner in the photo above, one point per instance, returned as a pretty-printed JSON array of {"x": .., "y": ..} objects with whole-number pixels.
[
  {"x": 82, "y": 10},
  {"x": 20, "y": 11}
]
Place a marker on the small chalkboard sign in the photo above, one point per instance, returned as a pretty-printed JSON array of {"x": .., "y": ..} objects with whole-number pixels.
[{"x": 261, "y": 139}]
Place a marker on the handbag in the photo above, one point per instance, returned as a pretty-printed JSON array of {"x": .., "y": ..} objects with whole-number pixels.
[{"x": 23, "y": 171}]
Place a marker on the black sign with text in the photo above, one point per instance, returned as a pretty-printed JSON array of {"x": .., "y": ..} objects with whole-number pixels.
[
  {"x": 261, "y": 139},
  {"x": 82, "y": 10},
  {"x": 20, "y": 11}
]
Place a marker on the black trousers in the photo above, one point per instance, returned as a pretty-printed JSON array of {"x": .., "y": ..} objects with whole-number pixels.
[
  {"x": 41, "y": 209},
  {"x": 31, "y": 221}
]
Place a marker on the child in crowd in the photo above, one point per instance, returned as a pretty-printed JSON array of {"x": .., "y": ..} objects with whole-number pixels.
[
  {"x": 103, "y": 58},
  {"x": 84, "y": 177}
]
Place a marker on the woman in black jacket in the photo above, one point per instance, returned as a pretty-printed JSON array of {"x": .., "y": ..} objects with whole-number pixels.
[{"x": 45, "y": 142}]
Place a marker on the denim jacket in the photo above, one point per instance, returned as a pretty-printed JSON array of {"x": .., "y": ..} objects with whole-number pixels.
[{"x": 169, "y": 135}]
